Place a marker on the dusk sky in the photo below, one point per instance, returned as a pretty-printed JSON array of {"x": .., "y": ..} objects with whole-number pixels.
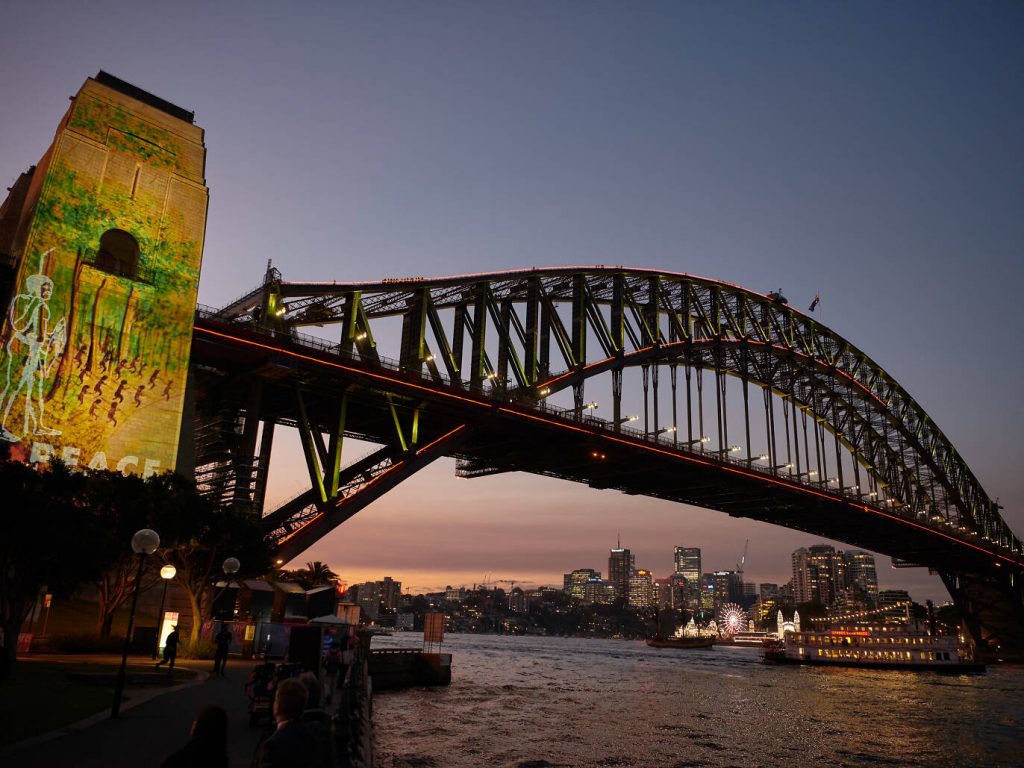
[{"x": 869, "y": 152}]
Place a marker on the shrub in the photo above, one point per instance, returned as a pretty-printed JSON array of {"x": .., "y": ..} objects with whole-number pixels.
[{"x": 203, "y": 648}]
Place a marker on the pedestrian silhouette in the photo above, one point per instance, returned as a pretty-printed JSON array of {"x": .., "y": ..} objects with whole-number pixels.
[
  {"x": 170, "y": 650},
  {"x": 220, "y": 658}
]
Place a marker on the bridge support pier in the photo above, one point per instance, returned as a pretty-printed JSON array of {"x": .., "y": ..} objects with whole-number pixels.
[{"x": 992, "y": 606}]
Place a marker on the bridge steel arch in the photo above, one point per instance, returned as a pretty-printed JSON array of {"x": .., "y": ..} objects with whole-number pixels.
[{"x": 844, "y": 451}]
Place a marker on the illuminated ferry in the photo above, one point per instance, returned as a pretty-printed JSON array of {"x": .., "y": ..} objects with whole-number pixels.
[{"x": 877, "y": 646}]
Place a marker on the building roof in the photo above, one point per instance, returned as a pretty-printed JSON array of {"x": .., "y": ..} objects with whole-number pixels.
[{"x": 105, "y": 78}]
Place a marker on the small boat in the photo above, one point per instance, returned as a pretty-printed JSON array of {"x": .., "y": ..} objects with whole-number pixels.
[
  {"x": 873, "y": 646},
  {"x": 680, "y": 641}
]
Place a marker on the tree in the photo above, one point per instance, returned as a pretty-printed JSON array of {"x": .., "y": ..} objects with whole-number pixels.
[
  {"x": 51, "y": 540},
  {"x": 200, "y": 535},
  {"x": 122, "y": 506},
  {"x": 320, "y": 575},
  {"x": 315, "y": 574}
]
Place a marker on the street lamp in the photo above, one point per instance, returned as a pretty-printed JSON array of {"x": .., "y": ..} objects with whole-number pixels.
[
  {"x": 144, "y": 543},
  {"x": 230, "y": 567},
  {"x": 167, "y": 573}
]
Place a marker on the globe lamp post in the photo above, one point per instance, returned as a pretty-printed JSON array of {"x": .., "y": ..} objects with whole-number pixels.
[
  {"x": 144, "y": 543},
  {"x": 167, "y": 573},
  {"x": 230, "y": 567}
]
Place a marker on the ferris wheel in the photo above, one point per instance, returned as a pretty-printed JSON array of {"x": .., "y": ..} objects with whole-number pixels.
[{"x": 731, "y": 619}]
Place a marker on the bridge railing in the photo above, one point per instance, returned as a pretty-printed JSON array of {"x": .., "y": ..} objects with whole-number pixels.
[
  {"x": 315, "y": 342},
  {"x": 496, "y": 394}
]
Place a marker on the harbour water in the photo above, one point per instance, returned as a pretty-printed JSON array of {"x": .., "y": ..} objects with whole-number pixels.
[{"x": 534, "y": 702}]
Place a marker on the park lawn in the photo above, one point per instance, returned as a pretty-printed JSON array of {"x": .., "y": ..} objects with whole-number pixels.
[{"x": 41, "y": 696}]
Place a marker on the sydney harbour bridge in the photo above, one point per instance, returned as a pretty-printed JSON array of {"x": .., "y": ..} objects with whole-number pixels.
[
  {"x": 710, "y": 394},
  {"x": 650, "y": 383}
]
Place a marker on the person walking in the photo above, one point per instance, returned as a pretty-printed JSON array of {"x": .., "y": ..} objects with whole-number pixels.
[
  {"x": 170, "y": 650},
  {"x": 220, "y": 658},
  {"x": 331, "y": 663}
]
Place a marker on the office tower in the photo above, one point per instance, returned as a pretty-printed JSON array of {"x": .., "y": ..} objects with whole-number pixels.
[
  {"x": 767, "y": 601},
  {"x": 768, "y": 591},
  {"x": 728, "y": 588},
  {"x": 861, "y": 574},
  {"x": 575, "y": 583},
  {"x": 641, "y": 589},
  {"x": 687, "y": 561},
  {"x": 621, "y": 564},
  {"x": 707, "y": 593},
  {"x": 598, "y": 590}
]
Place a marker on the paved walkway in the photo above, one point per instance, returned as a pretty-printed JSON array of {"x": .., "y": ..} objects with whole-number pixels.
[{"x": 147, "y": 733}]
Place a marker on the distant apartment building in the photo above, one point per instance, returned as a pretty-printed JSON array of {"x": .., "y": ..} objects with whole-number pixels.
[
  {"x": 819, "y": 574},
  {"x": 861, "y": 575},
  {"x": 640, "y": 591},
  {"x": 390, "y": 593},
  {"x": 368, "y": 596},
  {"x": 838, "y": 579},
  {"x": 687, "y": 565},
  {"x": 621, "y": 564},
  {"x": 575, "y": 583},
  {"x": 517, "y": 601}
]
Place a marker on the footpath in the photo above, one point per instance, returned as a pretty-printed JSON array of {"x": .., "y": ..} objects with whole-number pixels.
[{"x": 151, "y": 725}]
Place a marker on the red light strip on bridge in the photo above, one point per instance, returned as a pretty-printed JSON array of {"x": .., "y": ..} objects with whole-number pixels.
[
  {"x": 340, "y": 367},
  {"x": 317, "y": 518},
  {"x": 582, "y": 430},
  {"x": 445, "y": 436}
]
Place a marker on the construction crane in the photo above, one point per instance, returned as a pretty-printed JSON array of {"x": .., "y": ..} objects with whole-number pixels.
[
  {"x": 510, "y": 582},
  {"x": 743, "y": 560}
]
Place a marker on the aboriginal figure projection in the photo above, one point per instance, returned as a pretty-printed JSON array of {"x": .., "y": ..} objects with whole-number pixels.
[{"x": 96, "y": 338}]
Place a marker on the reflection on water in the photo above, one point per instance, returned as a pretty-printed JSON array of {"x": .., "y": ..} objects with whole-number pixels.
[{"x": 533, "y": 702}]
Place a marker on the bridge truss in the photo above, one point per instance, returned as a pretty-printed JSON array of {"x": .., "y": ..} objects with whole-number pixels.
[{"x": 717, "y": 396}]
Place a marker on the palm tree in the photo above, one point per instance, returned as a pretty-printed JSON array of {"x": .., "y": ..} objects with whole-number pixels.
[{"x": 319, "y": 574}]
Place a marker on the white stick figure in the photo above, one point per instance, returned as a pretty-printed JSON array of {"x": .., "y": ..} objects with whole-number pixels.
[{"x": 32, "y": 338}]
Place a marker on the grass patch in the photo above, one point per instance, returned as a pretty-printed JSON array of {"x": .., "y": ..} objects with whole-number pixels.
[{"x": 41, "y": 696}]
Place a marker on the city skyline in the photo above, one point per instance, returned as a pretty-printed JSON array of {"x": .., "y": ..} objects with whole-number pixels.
[
  {"x": 867, "y": 158},
  {"x": 855, "y": 561}
]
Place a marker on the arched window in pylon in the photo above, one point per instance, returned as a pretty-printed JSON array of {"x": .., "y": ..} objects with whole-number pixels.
[{"x": 118, "y": 253}]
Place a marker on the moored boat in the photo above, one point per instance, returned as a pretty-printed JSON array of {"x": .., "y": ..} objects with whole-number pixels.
[{"x": 874, "y": 646}]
